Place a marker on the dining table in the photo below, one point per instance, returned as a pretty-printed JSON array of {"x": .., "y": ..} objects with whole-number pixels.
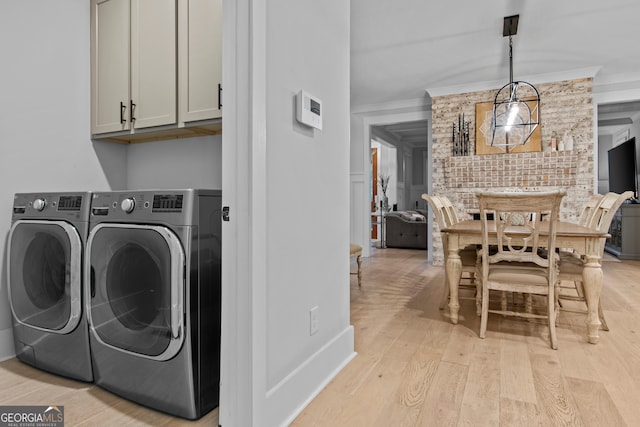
[{"x": 584, "y": 240}]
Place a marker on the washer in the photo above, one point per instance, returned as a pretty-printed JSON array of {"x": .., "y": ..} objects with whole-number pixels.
[
  {"x": 44, "y": 270},
  {"x": 153, "y": 297}
]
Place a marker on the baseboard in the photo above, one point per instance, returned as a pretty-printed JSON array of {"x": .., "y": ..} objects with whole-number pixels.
[
  {"x": 7, "y": 349},
  {"x": 302, "y": 385}
]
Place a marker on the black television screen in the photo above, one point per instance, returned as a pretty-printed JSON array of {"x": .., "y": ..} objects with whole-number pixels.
[{"x": 622, "y": 167}]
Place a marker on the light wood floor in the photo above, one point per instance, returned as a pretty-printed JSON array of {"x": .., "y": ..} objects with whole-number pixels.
[
  {"x": 414, "y": 368},
  {"x": 84, "y": 404}
]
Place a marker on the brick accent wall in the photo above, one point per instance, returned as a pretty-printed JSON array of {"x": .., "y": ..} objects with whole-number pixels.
[{"x": 565, "y": 106}]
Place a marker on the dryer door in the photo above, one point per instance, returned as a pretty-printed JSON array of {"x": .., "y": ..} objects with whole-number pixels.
[
  {"x": 44, "y": 262},
  {"x": 136, "y": 289}
]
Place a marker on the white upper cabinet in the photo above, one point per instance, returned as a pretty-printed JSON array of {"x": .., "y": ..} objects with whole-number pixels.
[
  {"x": 199, "y": 53},
  {"x": 155, "y": 65},
  {"x": 110, "y": 43}
]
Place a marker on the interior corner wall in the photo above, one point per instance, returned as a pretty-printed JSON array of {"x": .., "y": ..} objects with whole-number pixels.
[
  {"x": 359, "y": 185},
  {"x": 44, "y": 114},
  {"x": 635, "y": 132},
  {"x": 605, "y": 143},
  {"x": 566, "y": 107}
]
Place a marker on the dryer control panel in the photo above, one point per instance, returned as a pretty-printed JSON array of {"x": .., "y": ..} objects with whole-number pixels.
[{"x": 175, "y": 207}]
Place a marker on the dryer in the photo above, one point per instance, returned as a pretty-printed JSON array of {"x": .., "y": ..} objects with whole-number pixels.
[
  {"x": 44, "y": 270},
  {"x": 153, "y": 281}
]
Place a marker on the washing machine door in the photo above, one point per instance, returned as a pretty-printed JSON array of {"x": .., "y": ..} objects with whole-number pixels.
[
  {"x": 135, "y": 295},
  {"x": 44, "y": 264}
]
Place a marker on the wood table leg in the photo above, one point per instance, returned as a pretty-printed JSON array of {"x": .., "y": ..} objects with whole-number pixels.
[
  {"x": 592, "y": 282},
  {"x": 453, "y": 274}
]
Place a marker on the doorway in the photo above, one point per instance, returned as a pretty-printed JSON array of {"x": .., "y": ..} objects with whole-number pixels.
[
  {"x": 383, "y": 193},
  {"x": 410, "y": 169},
  {"x": 617, "y": 122}
]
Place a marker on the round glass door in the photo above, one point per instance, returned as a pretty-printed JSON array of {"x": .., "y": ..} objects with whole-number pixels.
[
  {"x": 44, "y": 275},
  {"x": 136, "y": 288}
]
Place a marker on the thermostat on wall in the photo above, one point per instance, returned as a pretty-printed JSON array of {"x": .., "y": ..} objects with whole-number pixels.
[{"x": 309, "y": 110}]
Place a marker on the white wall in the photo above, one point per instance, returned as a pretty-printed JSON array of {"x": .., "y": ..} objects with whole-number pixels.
[
  {"x": 307, "y": 47},
  {"x": 605, "y": 143},
  {"x": 290, "y": 210},
  {"x": 181, "y": 163}
]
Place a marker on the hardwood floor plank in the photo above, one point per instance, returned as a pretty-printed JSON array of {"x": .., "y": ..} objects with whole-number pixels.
[
  {"x": 416, "y": 380},
  {"x": 519, "y": 413},
  {"x": 437, "y": 337},
  {"x": 396, "y": 414},
  {"x": 363, "y": 407},
  {"x": 595, "y": 404},
  {"x": 615, "y": 366},
  {"x": 407, "y": 343},
  {"x": 444, "y": 398},
  {"x": 461, "y": 346},
  {"x": 481, "y": 399},
  {"x": 516, "y": 377},
  {"x": 575, "y": 362},
  {"x": 555, "y": 402}
]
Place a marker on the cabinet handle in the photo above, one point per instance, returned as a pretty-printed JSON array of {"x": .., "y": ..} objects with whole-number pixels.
[
  {"x": 219, "y": 96},
  {"x": 123, "y": 108},
  {"x": 132, "y": 111}
]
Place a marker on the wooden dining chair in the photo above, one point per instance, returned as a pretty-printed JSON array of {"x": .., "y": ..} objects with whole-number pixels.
[
  {"x": 572, "y": 264},
  {"x": 586, "y": 216},
  {"x": 512, "y": 257},
  {"x": 446, "y": 216},
  {"x": 356, "y": 251},
  {"x": 588, "y": 211}
]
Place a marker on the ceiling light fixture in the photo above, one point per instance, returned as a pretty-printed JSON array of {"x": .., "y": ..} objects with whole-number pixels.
[{"x": 515, "y": 107}]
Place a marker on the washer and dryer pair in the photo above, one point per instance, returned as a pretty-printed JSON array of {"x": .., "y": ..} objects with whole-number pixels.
[{"x": 138, "y": 310}]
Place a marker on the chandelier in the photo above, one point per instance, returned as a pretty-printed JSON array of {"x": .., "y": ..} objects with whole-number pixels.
[{"x": 515, "y": 107}]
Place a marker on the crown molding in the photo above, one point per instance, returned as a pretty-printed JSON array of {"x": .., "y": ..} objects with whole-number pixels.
[
  {"x": 579, "y": 73},
  {"x": 404, "y": 105}
]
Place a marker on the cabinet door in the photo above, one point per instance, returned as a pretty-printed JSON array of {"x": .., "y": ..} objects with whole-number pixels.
[
  {"x": 200, "y": 53},
  {"x": 109, "y": 65},
  {"x": 153, "y": 62}
]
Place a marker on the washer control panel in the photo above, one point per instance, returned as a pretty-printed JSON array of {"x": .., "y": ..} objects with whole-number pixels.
[{"x": 70, "y": 206}]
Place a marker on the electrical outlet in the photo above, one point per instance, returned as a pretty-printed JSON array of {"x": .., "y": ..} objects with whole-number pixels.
[{"x": 314, "y": 320}]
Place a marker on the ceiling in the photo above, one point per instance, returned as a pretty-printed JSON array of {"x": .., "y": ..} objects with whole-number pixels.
[
  {"x": 401, "y": 50},
  {"x": 412, "y": 134},
  {"x": 418, "y": 48},
  {"x": 617, "y": 117}
]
